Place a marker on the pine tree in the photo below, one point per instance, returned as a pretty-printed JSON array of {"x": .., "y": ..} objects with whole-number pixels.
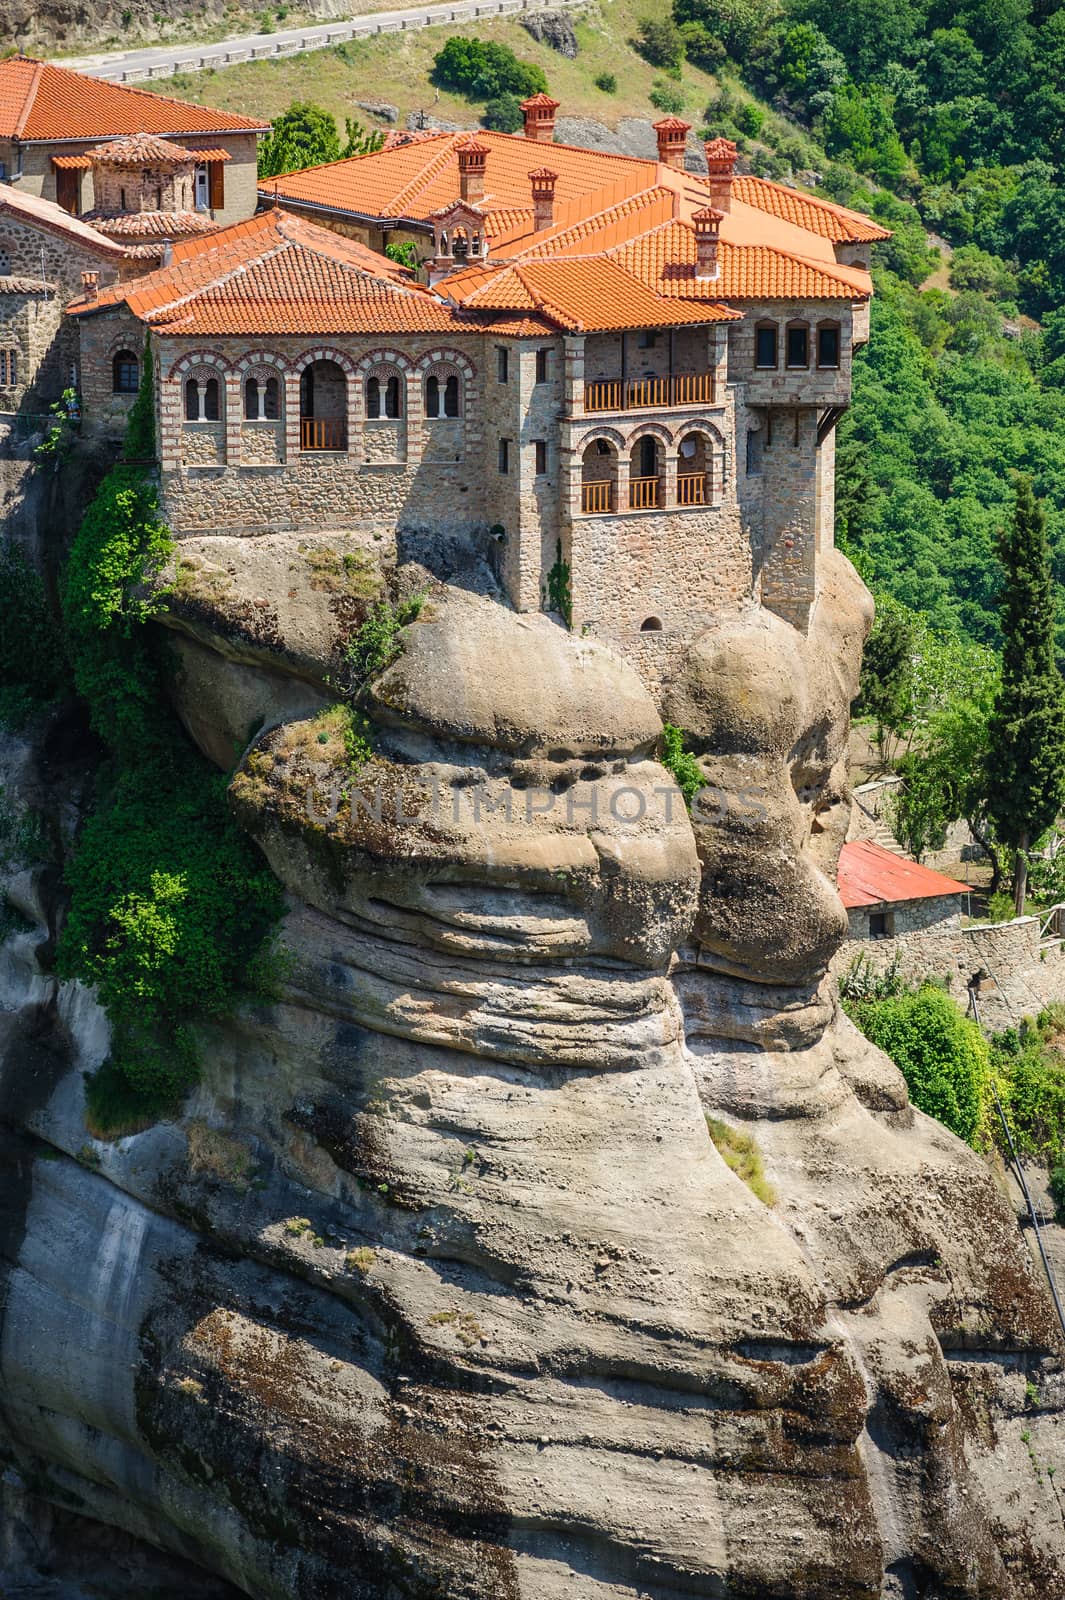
[{"x": 1026, "y": 761}]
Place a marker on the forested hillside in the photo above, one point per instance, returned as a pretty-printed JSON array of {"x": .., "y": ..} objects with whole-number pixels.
[{"x": 940, "y": 118}]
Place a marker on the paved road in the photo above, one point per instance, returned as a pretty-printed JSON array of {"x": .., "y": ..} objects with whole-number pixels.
[{"x": 138, "y": 66}]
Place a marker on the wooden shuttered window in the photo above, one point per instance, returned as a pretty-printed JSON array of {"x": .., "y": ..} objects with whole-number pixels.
[{"x": 216, "y": 175}]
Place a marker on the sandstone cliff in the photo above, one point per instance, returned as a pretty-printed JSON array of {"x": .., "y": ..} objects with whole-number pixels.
[{"x": 439, "y": 1287}]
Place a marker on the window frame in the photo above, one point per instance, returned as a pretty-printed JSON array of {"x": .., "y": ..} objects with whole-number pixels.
[
  {"x": 543, "y": 360},
  {"x": 760, "y": 330},
  {"x": 540, "y": 458},
  {"x": 834, "y": 329},
  {"x": 793, "y": 329},
  {"x": 122, "y": 362},
  {"x": 502, "y": 364},
  {"x": 503, "y": 457}
]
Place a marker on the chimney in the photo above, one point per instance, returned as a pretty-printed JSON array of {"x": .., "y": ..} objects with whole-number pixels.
[
  {"x": 543, "y": 182},
  {"x": 707, "y": 225},
  {"x": 672, "y": 139},
  {"x": 90, "y": 285},
  {"x": 473, "y": 159},
  {"x": 168, "y": 253},
  {"x": 540, "y": 114},
  {"x": 721, "y": 167}
]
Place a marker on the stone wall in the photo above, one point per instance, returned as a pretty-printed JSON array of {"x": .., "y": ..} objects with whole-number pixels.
[
  {"x": 1022, "y": 973},
  {"x": 910, "y": 916},
  {"x": 100, "y": 338},
  {"x": 33, "y": 324}
]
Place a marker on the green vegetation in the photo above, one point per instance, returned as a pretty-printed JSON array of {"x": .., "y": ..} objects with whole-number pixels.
[
  {"x": 483, "y": 69},
  {"x": 559, "y": 594},
  {"x": 680, "y": 763},
  {"x": 1026, "y": 736},
  {"x": 33, "y": 668},
  {"x": 140, "y": 424},
  {"x": 171, "y": 906},
  {"x": 742, "y": 1155},
  {"x": 306, "y": 135},
  {"x": 943, "y": 1056},
  {"x": 376, "y": 643}
]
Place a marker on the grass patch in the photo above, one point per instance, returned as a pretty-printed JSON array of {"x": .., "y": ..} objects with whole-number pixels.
[
  {"x": 399, "y": 67},
  {"x": 742, "y": 1156},
  {"x": 114, "y": 1108},
  {"x": 360, "y": 1260},
  {"x": 215, "y": 1153}
]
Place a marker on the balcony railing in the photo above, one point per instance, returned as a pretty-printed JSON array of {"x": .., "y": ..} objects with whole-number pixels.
[
  {"x": 323, "y": 433},
  {"x": 691, "y": 489},
  {"x": 643, "y": 494},
  {"x": 597, "y": 497},
  {"x": 647, "y": 394}
]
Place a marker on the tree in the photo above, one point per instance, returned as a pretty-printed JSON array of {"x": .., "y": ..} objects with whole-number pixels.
[
  {"x": 503, "y": 114},
  {"x": 481, "y": 69},
  {"x": 303, "y": 136},
  {"x": 1026, "y": 755},
  {"x": 659, "y": 41},
  {"x": 887, "y": 674}
]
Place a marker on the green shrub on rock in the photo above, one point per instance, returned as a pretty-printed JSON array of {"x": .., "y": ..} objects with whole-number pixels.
[{"x": 171, "y": 905}]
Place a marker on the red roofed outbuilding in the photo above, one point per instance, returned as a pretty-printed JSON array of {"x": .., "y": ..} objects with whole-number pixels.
[{"x": 888, "y": 895}]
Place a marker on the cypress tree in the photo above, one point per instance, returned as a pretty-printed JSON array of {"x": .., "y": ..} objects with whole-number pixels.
[{"x": 1026, "y": 760}]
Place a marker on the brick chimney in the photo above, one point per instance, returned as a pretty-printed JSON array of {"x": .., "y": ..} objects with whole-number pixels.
[
  {"x": 473, "y": 158},
  {"x": 707, "y": 225},
  {"x": 540, "y": 114},
  {"x": 721, "y": 167},
  {"x": 90, "y": 285},
  {"x": 672, "y": 138},
  {"x": 543, "y": 182}
]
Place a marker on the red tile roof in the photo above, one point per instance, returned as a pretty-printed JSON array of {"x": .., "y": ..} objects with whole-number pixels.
[
  {"x": 807, "y": 210},
  {"x": 869, "y": 875},
  {"x": 41, "y": 101},
  {"x": 278, "y": 274},
  {"x": 664, "y": 259},
  {"x": 584, "y": 295},
  {"x": 141, "y": 150}
]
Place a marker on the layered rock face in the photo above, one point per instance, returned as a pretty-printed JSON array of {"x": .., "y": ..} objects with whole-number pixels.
[{"x": 439, "y": 1286}]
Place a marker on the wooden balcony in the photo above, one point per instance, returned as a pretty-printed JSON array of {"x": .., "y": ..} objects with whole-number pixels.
[
  {"x": 692, "y": 489},
  {"x": 597, "y": 497},
  {"x": 650, "y": 394},
  {"x": 643, "y": 494},
  {"x": 323, "y": 433}
]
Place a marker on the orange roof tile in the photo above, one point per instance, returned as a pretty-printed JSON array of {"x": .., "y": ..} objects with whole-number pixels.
[
  {"x": 664, "y": 259},
  {"x": 141, "y": 150},
  {"x": 41, "y": 101},
  {"x": 414, "y": 180},
  {"x": 869, "y": 875},
  {"x": 807, "y": 210},
  {"x": 583, "y": 295},
  {"x": 278, "y": 274}
]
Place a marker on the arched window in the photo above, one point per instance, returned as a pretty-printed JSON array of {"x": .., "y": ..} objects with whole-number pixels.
[
  {"x": 651, "y": 625},
  {"x": 125, "y": 373},
  {"x": 202, "y": 400},
  {"x": 442, "y": 395},
  {"x": 262, "y": 399},
  {"x": 384, "y": 395},
  {"x": 323, "y": 406},
  {"x": 599, "y": 475}
]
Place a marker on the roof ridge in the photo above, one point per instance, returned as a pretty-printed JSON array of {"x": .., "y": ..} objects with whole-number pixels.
[
  {"x": 201, "y": 288},
  {"x": 31, "y": 95},
  {"x": 421, "y": 179},
  {"x": 640, "y": 200}
]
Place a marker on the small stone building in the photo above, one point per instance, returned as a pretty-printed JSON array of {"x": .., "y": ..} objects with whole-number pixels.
[
  {"x": 51, "y": 119},
  {"x": 888, "y": 896},
  {"x": 44, "y": 256}
]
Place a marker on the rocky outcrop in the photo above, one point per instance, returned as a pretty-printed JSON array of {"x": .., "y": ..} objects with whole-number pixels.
[
  {"x": 553, "y": 28},
  {"x": 439, "y": 1285}
]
